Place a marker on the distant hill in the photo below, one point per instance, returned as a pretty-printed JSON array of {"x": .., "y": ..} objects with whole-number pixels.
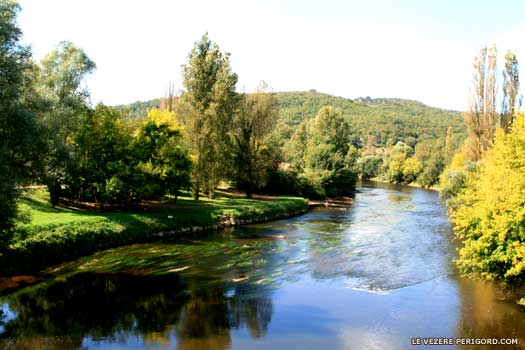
[
  {"x": 139, "y": 109},
  {"x": 389, "y": 119},
  {"x": 386, "y": 118}
]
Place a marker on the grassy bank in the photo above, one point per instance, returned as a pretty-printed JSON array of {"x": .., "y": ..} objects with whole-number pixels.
[{"x": 61, "y": 234}]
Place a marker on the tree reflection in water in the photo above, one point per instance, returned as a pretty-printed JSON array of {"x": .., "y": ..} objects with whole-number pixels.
[
  {"x": 489, "y": 312},
  {"x": 112, "y": 307}
]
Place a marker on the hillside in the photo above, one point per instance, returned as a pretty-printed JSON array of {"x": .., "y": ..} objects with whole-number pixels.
[{"x": 386, "y": 118}]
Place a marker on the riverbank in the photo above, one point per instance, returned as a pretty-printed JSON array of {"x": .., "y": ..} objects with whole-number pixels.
[
  {"x": 412, "y": 184},
  {"x": 56, "y": 235}
]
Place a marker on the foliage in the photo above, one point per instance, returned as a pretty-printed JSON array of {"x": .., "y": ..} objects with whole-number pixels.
[
  {"x": 394, "y": 163},
  {"x": 411, "y": 169},
  {"x": 19, "y": 138},
  {"x": 432, "y": 156},
  {"x": 453, "y": 179},
  {"x": 384, "y": 118},
  {"x": 102, "y": 151},
  {"x": 121, "y": 163},
  {"x": 369, "y": 166},
  {"x": 206, "y": 109},
  {"x": 431, "y": 171},
  {"x": 490, "y": 220},
  {"x": 164, "y": 165},
  {"x": 252, "y": 125},
  {"x": 329, "y": 156},
  {"x": 64, "y": 103}
]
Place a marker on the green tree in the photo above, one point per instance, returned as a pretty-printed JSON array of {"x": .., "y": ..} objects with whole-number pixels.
[
  {"x": 412, "y": 167},
  {"x": 18, "y": 128},
  {"x": 369, "y": 166},
  {"x": 163, "y": 164},
  {"x": 395, "y": 160},
  {"x": 60, "y": 85},
  {"x": 294, "y": 149},
  {"x": 104, "y": 157},
  {"x": 449, "y": 146},
  {"x": 207, "y": 108},
  {"x": 430, "y": 154},
  {"x": 253, "y": 123},
  {"x": 329, "y": 158}
]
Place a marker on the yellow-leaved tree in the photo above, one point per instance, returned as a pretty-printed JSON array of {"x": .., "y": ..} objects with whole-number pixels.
[{"x": 491, "y": 219}]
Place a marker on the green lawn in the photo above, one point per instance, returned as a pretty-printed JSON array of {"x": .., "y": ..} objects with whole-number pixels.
[{"x": 59, "y": 234}]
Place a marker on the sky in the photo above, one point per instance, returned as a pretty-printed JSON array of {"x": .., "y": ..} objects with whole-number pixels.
[{"x": 420, "y": 50}]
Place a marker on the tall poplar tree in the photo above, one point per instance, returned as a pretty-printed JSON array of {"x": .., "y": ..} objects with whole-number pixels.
[
  {"x": 207, "y": 107},
  {"x": 481, "y": 118},
  {"x": 511, "y": 88}
]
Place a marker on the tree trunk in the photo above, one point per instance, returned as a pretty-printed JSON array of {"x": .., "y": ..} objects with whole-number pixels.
[
  {"x": 249, "y": 185},
  {"x": 196, "y": 191}
]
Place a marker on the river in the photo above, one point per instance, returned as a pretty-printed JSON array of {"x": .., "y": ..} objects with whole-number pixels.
[{"x": 370, "y": 277}]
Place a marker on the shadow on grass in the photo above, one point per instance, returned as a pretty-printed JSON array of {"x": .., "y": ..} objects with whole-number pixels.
[{"x": 43, "y": 206}]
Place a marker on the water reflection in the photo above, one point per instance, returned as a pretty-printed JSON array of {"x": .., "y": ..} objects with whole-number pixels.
[
  {"x": 489, "y": 312},
  {"x": 106, "y": 308},
  {"x": 371, "y": 277}
]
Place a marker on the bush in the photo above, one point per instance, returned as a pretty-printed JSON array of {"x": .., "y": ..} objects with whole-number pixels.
[
  {"x": 369, "y": 166},
  {"x": 286, "y": 180},
  {"x": 340, "y": 183}
]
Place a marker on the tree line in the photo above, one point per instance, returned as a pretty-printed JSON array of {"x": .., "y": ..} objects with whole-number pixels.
[{"x": 52, "y": 135}]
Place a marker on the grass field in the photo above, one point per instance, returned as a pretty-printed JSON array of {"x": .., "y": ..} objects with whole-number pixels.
[{"x": 59, "y": 234}]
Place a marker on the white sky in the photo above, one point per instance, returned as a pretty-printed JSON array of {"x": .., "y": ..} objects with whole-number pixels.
[{"x": 411, "y": 49}]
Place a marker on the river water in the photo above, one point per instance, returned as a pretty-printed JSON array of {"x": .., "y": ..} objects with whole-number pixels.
[{"x": 370, "y": 277}]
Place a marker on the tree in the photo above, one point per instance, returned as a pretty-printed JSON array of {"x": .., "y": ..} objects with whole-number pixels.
[
  {"x": 490, "y": 219},
  {"x": 412, "y": 167},
  {"x": 18, "y": 128},
  {"x": 256, "y": 118},
  {"x": 430, "y": 154},
  {"x": 163, "y": 164},
  {"x": 481, "y": 119},
  {"x": 511, "y": 87},
  {"x": 449, "y": 146},
  {"x": 294, "y": 149},
  {"x": 329, "y": 158},
  {"x": 206, "y": 110},
  {"x": 393, "y": 165},
  {"x": 103, "y": 156},
  {"x": 371, "y": 141},
  {"x": 168, "y": 102},
  {"x": 61, "y": 76},
  {"x": 369, "y": 166}
]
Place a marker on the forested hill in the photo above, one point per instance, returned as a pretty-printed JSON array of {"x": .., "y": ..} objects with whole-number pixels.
[{"x": 388, "y": 119}]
